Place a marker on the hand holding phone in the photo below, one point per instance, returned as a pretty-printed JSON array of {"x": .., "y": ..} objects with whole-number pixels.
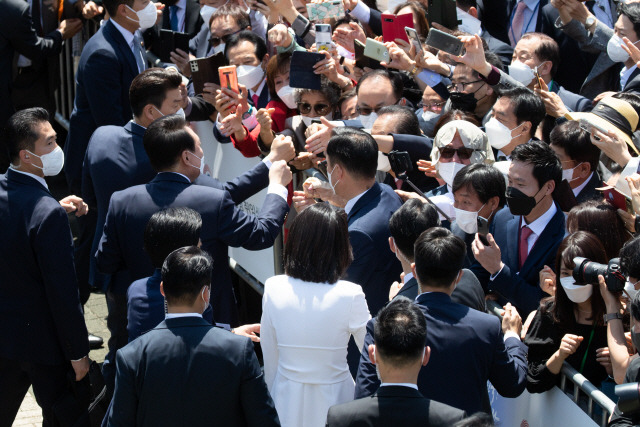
[
  {"x": 229, "y": 78},
  {"x": 445, "y": 42},
  {"x": 323, "y": 37},
  {"x": 376, "y": 50}
]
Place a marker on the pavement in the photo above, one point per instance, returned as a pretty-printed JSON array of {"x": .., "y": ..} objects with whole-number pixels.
[{"x": 95, "y": 315}]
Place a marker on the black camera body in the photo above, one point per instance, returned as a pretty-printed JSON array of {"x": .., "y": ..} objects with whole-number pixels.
[
  {"x": 586, "y": 271},
  {"x": 629, "y": 397}
]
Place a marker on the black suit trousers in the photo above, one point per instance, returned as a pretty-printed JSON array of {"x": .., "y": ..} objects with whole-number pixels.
[{"x": 49, "y": 383}]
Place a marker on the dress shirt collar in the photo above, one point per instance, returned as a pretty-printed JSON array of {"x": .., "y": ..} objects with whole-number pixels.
[
  {"x": 178, "y": 173},
  {"x": 407, "y": 277},
  {"x": 259, "y": 91},
  {"x": 580, "y": 187},
  {"x": 128, "y": 35},
  {"x": 531, "y": 4},
  {"x": 36, "y": 177},
  {"x": 176, "y": 315},
  {"x": 539, "y": 224},
  {"x": 413, "y": 386},
  {"x": 625, "y": 73},
  {"x": 351, "y": 203}
]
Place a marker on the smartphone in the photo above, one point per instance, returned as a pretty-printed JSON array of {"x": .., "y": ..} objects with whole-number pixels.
[
  {"x": 483, "y": 229},
  {"x": 413, "y": 38},
  {"x": 229, "y": 78},
  {"x": 393, "y": 26},
  {"x": 327, "y": 9},
  {"x": 323, "y": 37},
  {"x": 376, "y": 50},
  {"x": 445, "y": 42},
  {"x": 538, "y": 78}
]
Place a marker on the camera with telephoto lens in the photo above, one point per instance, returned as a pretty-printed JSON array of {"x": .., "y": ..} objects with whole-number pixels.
[
  {"x": 586, "y": 271},
  {"x": 628, "y": 397}
]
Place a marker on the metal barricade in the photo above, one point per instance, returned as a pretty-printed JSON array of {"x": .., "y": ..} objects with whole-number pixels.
[{"x": 582, "y": 387}]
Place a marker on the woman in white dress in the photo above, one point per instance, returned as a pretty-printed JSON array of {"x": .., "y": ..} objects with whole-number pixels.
[{"x": 308, "y": 315}]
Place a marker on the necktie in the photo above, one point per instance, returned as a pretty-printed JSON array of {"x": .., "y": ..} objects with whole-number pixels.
[
  {"x": 399, "y": 183},
  {"x": 517, "y": 23},
  {"x": 255, "y": 99},
  {"x": 138, "y": 52},
  {"x": 174, "y": 17},
  {"x": 523, "y": 249}
]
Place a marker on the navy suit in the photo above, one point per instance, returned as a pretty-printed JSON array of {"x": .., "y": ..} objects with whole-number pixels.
[
  {"x": 105, "y": 72},
  {"x": 521, "y": 287},
  {"x": 115, "y": 160},
  {"x": 589, "y": 191},
  {"x": 418, "y": 147},
  {"x": 187, "y": 372},
  {"x": 199, "y": 45},
  {"x": 192, "y": 24},
  {"x": 145, "y": 306},
  {"x": 467, "y": 349},
  {"x": 41, "y": 322}
]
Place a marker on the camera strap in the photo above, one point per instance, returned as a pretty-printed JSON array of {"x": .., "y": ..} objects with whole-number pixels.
[{"x": 584, "y": 358}]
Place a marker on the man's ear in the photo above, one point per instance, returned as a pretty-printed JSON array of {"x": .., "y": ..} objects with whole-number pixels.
[
  {"x": 551, "y": 186},
  {"x": 584, "y": 169},
  {"x": 392, "y": 245},
  {"x": 473, "y": 12},
  {"x": 372, "y": 353},
  {"x": 162, "y": 289},
  {"x": 413, "y": 270},
  {"x": 426, "y": 356},
  {"x": 545, "y": 68}
]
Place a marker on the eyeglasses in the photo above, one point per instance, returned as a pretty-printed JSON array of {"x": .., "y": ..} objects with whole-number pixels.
[
  {"x": 464, "y": 153},
  {"x": 320, "y": 109},
  {"x": 366, "y": 111},
  {"x": 436, "y": 106},
  {"x": 215, "y": 41},
  {"x": 460, "y": 86}
]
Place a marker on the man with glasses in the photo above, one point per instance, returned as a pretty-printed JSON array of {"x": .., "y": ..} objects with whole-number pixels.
[
  {"x": 468, "y": 92},
  {"x": 228, "y": 20},
  {"x": 429, "y": 110},
  {"x": 377, "y": 89}
]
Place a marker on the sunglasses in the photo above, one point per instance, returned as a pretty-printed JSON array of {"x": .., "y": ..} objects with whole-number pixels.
[
  {"x": 436, "y": 106},
  {"x": 215, "y": 41},
  {"x": 320, "y": 109},
  {"x": 464, "y": 153}
]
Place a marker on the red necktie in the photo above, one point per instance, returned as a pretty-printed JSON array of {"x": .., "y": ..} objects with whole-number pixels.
[
  {"x": 515, "y": 32},
  {"x": 525, "y": 232},
  {"x": 399, "y": 183},
  {"x": 255, "y": 99}
]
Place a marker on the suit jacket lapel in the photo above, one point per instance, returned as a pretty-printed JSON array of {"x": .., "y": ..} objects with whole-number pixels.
[
  {"x": 545, "y": 242},
  {"x": 121, "y": 44},
  {"x": 512, "y": 236},
  {"x": 26, "y": 180},
  {"x": 366, "y": 198},
  {"x": 191, "y": 15}
]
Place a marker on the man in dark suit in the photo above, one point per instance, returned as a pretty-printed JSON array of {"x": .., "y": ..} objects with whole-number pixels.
[
  {"x": 18, "y": 35},
  {"x": 399, "y": 352},
  {"x": 186, "y": 371},
  {"x": 225, "y": 22},
  {"x": 579, "y": 159},
  {"x": 175, "y": 153},
  {"x": 525, "y": 237},
  {"x": 466, "y": 343},
  {"x": 42, "y": 327},
  {"x": 406, "y": 224},
  {"x": 498, "y": 18}
]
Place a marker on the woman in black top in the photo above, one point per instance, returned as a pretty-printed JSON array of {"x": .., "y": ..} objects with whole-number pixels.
[{"x": 569, "y": 327}]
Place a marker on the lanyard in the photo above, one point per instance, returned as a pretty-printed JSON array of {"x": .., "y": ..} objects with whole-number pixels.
[
  {"x": 524, "y": 28},
  {"x": 584, "y": 358}
]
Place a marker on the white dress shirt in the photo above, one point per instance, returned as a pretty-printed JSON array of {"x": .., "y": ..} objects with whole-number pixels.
[
  {"x": 580, "y": 187},
  {"x": 351, "y": 203},
  {"x": 538, "y": 226},
  {"x": 530, "y": 16},
  {"x": 625, "y": 73},
  {"x": 176, "y": 315}
]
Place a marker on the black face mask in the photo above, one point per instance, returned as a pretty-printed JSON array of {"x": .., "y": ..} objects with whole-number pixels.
[
  {"x": 463, "y": 101},
  {"x": 519, "y": 203}
]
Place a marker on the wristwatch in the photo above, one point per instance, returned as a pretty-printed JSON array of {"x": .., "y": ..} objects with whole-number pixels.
[
  {"x": 589, "y": 21},
  {"x": 611, "y": 316}
]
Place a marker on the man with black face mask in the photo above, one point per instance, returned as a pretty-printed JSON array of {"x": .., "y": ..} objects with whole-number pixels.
[
  {"x": 468, "y": 92},
  {"x": 525, "y": 236}
]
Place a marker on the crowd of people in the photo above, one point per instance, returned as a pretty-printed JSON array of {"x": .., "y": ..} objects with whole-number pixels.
[{"x": 410, "y": 192}]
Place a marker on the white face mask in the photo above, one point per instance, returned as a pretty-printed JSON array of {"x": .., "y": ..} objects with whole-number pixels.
[
  {"x": 631, "y": 289},
  {"x": 52, "y": 162},
  {"x": 576, "y": 293},
  {"x": 206, "y": 11},
  {"x": 467, "y": 220},
  {"x": 615, "y": 51},
  {"x": 367, "y": 121},
  {"x": 469, "y": 24},
  {"x": 521, "y": 72},
  {"x": 567, "y": 174},
  {"x": 333, "y": 186},
  {"x": 345, "y": 53},
  {"x": 448, "y": 171},
  {"x": 429, "y": 115},
  {"x": 499, "y": 135},
  {"x": 286, "y": 95},
  {"x": 250, "y": 76},
  {"x": 201, "y": 167},
  {"x": 308, "y": 121},
  {"x": 146, "y": 17},
  {"x": 179, "y": 113}
]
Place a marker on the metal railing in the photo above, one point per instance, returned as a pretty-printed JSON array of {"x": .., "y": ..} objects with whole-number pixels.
[{"x": 582, "y": 387}]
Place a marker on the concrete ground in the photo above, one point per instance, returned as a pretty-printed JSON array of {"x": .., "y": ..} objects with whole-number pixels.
[{"x": 95, "y": 316}]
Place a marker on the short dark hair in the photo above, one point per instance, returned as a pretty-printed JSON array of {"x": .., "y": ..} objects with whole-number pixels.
[
  {"x": 150, "y": 87},
  {"x": 485, "y": 180},
  {"x": 493, "y": 59},
  {"x": 546, "y": 165},
  {"x": 439, "y": 256},
  {"x": 547, "y": 49},
  {"x": 405, "y": 120},
  {"x": 400, "y": 332},
  {"x": 317, "y": 248},
  {"x": 165, "y": 140},
  {"x": 631, "y": 11},
  {"x": 393, "y": 77},
  {"x": 184, "y": 272},
  {"x": 601, "y": 219},
  {"x": 576, "y": 143},
  {"x": 234, "y": 11},
  {"x": 527, "y": 106},
  {"x": 112, "y": 5},
  {"x": 479, "y": 419},
  {"x": 355, "y": 150},
  {"x": 20, "y": 131},
  {"x": 249, "y": 36},
  {"x": 408, "y": 223},
  {"x": 635, "y": 306},
  {"x": 629, "y": 258},
  {"x": 170, "y": 229}
]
